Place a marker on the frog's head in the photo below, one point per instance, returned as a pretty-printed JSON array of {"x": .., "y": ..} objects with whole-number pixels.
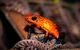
[{"x": 32, "y": 17}]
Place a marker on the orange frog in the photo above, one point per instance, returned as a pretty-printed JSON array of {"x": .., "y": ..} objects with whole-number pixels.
[{"x": 44, "y": 23}]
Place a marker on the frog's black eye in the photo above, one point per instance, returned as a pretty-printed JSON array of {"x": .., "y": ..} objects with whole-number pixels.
[{"x": 34, "y": 18}]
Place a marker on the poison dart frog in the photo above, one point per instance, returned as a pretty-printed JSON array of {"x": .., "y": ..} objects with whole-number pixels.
[{"x": 44, "y": 23}]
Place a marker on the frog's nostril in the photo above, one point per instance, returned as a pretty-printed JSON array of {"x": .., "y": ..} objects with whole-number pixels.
[{"x": 34, "y": 18}]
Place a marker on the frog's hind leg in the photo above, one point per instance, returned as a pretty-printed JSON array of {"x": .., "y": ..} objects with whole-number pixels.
[
  {"x": 46, "y": 36},
  {"x": 45, "y": 31}
]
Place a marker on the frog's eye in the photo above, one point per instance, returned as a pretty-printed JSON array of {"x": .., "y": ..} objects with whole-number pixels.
[{"x": 34, "y": 18}]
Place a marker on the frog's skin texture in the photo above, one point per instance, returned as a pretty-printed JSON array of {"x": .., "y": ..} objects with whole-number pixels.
[{"x": 43, "y": 23}]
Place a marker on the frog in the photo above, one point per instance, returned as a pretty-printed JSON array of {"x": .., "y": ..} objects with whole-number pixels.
[{"x": 44, "y": 23}]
